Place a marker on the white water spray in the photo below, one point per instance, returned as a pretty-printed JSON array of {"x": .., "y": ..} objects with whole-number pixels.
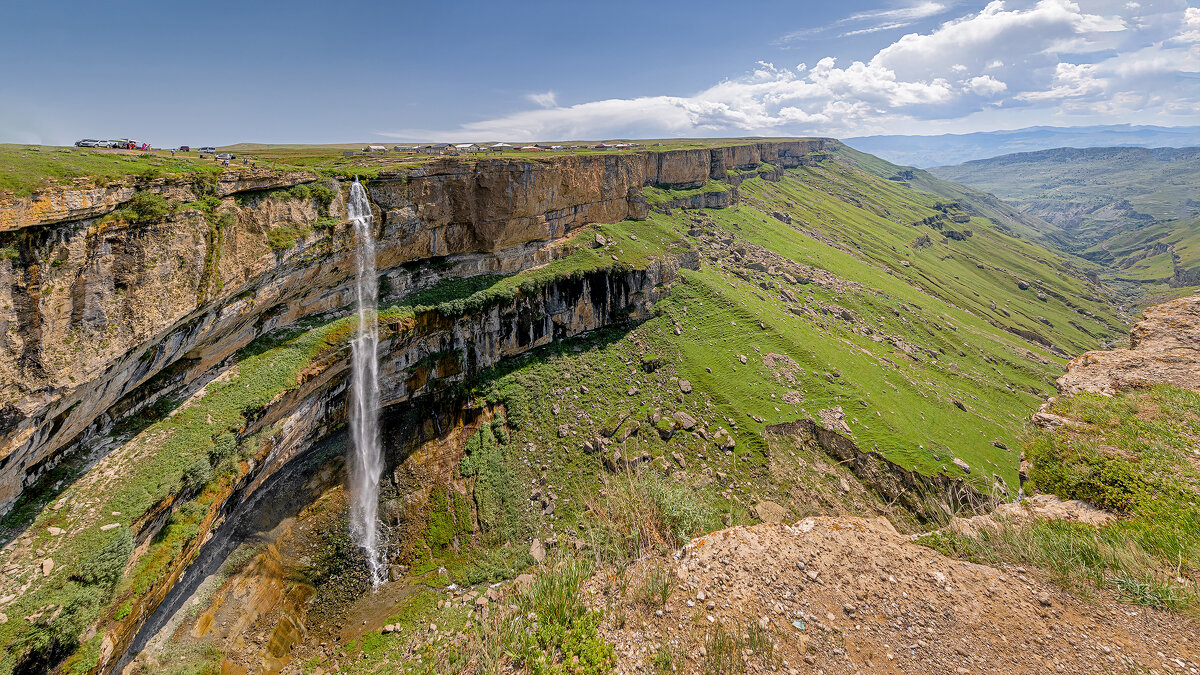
[{"x": 366, "y": 464}]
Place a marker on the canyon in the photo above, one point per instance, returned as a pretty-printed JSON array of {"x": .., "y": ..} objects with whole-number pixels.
[{"x": 773, "y": 328}]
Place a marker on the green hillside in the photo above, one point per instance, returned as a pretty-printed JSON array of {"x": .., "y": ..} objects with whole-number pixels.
[
  {"x": 1093, "y": 193},
  {"x": 1131, "y": 210}
]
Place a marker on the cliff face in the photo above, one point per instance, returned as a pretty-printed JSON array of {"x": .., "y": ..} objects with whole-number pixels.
[
  {"x": 1164, "y": 348},
  {"x": 92, "y": 309}
]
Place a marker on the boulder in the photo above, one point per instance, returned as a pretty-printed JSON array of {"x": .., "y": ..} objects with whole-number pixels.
[
  {"x": 685, "y": 421},
  {"x": 724, "y": 440},
  {"x": 769, "y": 512}
]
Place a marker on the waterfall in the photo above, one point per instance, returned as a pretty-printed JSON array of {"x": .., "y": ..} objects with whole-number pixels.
[{"x": 366, "y": 464}]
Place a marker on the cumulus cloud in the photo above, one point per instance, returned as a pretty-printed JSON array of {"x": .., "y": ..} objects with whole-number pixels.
[{"x": 1054, "y": 58}]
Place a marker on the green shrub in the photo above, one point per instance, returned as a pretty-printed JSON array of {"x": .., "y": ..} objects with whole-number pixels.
[
  {"x": 8, "y": 253},
  {"x": 496, "y": 502},
  {"x": 226, "y": 220},
  {"x": 197, "y": 474},
  {"x": 106, "y": 567},
  {"x": 285, "y": 236},
  {"x": 147, "y": 206}
]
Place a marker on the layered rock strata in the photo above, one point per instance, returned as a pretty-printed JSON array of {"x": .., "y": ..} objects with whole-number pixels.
[{"x": 97, "y": 314}]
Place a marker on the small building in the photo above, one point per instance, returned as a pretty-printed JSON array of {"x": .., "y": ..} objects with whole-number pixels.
[
  {"x": 405, "y": 148},
  {"x": 467, "y": 147},
  {"x": 374, "y": 148},
  {"x": 435, "y": 148},
  {"x": 500, "y": 147}
]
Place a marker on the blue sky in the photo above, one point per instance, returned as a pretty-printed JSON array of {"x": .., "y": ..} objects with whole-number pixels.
[{"x": 220, "y": 72}]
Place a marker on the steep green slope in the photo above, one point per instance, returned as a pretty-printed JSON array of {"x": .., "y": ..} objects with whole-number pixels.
[
  {"x": 1004, "y": 216},
  {"x": 925, "y": 342}
]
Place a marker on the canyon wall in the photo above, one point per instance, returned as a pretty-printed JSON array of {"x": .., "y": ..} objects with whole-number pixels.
[{"x": 98, "y": 315}]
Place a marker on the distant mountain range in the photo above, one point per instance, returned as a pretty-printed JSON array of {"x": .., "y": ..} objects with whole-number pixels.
[{"x": 927, "y": 151}]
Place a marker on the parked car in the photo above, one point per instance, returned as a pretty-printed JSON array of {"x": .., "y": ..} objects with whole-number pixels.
[
  {"x": 184, "y": 148},
  {"x": 224, "y": 155},
  {"x": 87, "y": 143},
  {"x": 207, "y": 148}
]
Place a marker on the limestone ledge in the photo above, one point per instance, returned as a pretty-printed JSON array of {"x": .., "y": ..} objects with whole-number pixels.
[{"x": 82, "y": 200}]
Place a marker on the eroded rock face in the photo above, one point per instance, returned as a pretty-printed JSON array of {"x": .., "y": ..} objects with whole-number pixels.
[
  {"x": 1164, "y": 349},
  {"x": 96, "y": 317}
]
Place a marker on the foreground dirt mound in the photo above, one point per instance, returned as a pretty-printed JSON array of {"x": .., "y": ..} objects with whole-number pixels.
[
  {"x": 846, "y": 594},
  {"x": 1164, "y": 348}
]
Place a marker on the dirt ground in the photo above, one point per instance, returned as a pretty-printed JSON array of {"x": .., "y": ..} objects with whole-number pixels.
[{"x": 839, "y": 595}]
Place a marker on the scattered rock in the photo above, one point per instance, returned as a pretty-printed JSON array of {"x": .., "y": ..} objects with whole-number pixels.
[
  {"x": 962, "y": 465},
  {"x": 684, "y": 420},
  {"x": 537, "y": 551},
  {"x": 47, "y": 566},
  {"x": 724, "y": 440},
  {"x": 685, "y": 386},
  {"x": 834, "y": 419},
  {"x": 769, "y": 512},
  {"x": 110, "y": 526},
  {"x": 524, "y": 583}
]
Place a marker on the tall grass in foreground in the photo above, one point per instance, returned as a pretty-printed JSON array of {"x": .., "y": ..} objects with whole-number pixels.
[
  {"x": 647, "y": 514},
  {"x": 1135, "y": 454}
]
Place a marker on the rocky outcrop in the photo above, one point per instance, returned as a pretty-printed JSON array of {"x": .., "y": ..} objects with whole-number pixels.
[
  {"x": 1164, "y": 348},
  {"x": 928, "y": 497}
]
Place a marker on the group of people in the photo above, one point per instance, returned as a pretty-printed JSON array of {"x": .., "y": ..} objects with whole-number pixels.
[{"x": 225, "y": 162}]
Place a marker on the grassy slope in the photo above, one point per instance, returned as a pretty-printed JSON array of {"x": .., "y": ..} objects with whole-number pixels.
[
  {"x": 897, "y": 403},
  {"x": 1003, "y": 215}
]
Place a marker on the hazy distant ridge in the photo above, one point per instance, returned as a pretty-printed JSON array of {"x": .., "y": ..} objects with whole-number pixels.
[{"x": 927, "y": 151}]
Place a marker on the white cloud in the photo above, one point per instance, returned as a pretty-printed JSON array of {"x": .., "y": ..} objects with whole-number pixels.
[
  {"x": 545, "y": 99},
  {"x": 986, "y": 85},
  {"x": 1049, "y": 60},
  {"x": 873, "y": 21}
]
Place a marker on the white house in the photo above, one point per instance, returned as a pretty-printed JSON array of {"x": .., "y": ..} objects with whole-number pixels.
[
  {"x": 501, "y": 147},
  {"x": 467, "y": 147}
]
